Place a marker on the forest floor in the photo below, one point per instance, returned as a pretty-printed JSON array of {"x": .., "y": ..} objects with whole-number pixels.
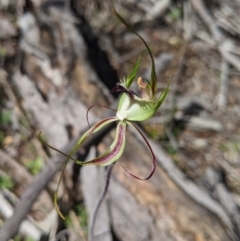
[{"x": 196, "y": 46}]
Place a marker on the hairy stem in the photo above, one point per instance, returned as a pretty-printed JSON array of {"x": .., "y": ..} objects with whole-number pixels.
[{"x": 100, "y": 200}]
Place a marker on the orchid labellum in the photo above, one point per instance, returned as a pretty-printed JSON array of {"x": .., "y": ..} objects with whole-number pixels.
[{"x": 130, "y": 108}]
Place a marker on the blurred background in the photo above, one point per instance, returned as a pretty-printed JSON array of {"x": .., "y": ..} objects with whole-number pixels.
[{"x": 58, "y": 58}]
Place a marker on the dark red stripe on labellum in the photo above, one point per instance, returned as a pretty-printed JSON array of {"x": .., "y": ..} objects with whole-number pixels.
[{"x": 120, "y": 132}]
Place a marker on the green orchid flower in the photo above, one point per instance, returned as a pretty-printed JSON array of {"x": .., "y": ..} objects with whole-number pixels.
[{"x": 130, "y": 108}]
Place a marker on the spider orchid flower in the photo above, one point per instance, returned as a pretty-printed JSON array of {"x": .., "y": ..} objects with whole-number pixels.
[{"x": 131, "y": 108}]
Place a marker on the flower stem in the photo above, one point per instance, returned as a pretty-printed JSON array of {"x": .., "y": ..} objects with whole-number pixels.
[{"x": 100, "y": 200}]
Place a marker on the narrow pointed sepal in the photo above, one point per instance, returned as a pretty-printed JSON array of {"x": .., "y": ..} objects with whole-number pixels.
[
  {"x": 132, "y": 76},
  {"x": 153, "y": 81},
  {"x": 114, "y": 152},
  {"x": 162, "y": 96},
  {"x": 154, "y": 161}
]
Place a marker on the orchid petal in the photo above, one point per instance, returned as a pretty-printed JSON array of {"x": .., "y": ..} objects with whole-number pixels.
[
  {"x": 154, "y": 161},
  {"x": 94, "y": 106},
  {"x": 114, "y": 152},
  {"x": 132, "y": 76},
  {"x": 92, "y": 130}
]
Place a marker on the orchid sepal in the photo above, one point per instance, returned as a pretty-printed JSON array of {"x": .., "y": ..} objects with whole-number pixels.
[
  {"x": 80, "y": 142},
  {"x": 153, "y": 81},
  {"x": 162, "y": 96},
  {"x": 131, "y": 107}
]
